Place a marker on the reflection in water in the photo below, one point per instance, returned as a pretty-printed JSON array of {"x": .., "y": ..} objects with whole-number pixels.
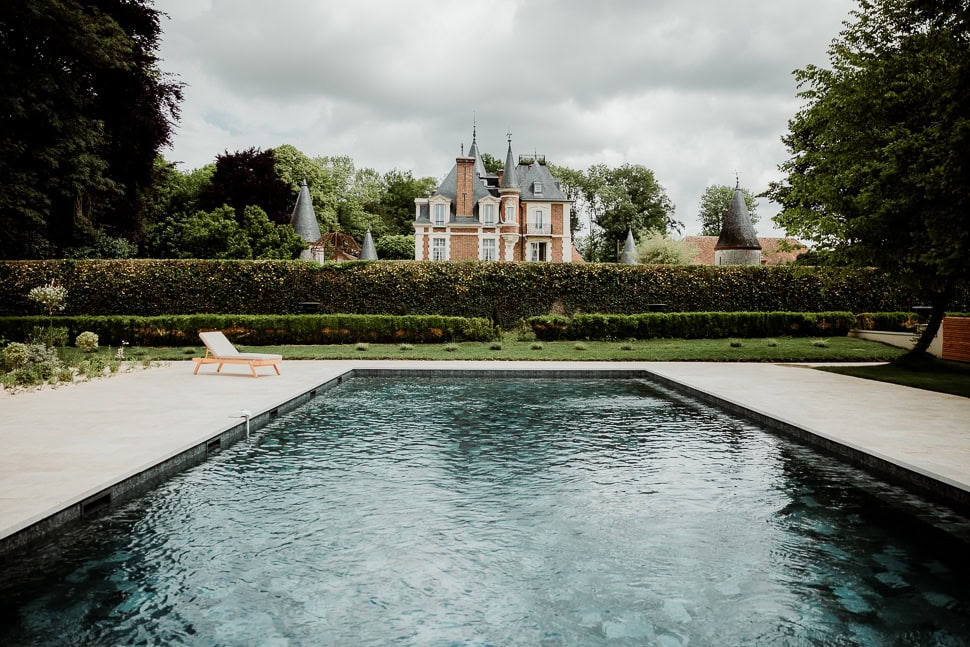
[{"x": 539, "y": 512}]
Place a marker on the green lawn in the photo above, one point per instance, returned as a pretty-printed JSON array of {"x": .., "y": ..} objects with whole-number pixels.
[
  {"x": 946, "y": 377},
  {"x": 783, "y": 349},
  {"x": 938, "y": 375}
]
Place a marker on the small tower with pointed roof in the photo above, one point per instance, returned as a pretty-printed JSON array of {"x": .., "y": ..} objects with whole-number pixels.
[
  {"x": 629, "y": 254},
  {"x": 304, "y": 222},
  {"x": 367, "y": 251},
  {"x": 738, "y": 243},
  {"x": 509, "y": 192}
]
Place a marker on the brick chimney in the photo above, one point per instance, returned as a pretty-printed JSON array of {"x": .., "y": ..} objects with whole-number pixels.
[{"x": 465, "y": 197}]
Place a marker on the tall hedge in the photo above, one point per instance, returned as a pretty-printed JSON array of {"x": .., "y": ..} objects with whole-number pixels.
[{"x": 503, "y": 292}]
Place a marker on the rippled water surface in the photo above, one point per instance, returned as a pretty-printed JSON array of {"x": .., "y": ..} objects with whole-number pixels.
[{"x": 499, "y": 512}]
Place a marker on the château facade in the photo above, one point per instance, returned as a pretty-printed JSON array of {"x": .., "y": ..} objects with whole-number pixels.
[{"x": 518, "y": 214}]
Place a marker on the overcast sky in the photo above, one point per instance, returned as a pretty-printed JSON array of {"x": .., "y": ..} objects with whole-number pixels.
[{"x": 695, "y": 90}]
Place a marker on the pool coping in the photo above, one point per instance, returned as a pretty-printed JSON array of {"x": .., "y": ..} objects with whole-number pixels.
[{"x": 141, "y": 480}]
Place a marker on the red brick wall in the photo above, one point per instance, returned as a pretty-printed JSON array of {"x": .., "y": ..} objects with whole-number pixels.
[
  {"x": 956, "y": 338},
  {"x": 464, "y": 247},
  {"x": 465, "y": 200},
  {"x": 557, "y": 219}
]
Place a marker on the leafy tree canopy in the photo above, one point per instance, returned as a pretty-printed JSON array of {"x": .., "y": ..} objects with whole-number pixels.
[
  {"x": 659, "y": 249},
  {"x": 395, "y": 247},
  {"x": 880, "y": 151},
  {"x": 84, "y": 110},
  {"x": 714, "y": 204},
  {"x": 396, "y": 205},
  {"x": 616, "y": 200},
  {"x": 492, "y": 164},
  {"x": 221, "y": 234}
]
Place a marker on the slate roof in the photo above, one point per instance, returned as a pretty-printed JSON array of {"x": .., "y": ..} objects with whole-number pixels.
[
  {"x": 522, "y": 176},
  {"x": 629, "y": 254},
  {"x": 737, "y": 232},
  {"x": 367, "y": 251},
  {"x": 528, "y": 175},
  {"x": 303, "y": 219},
  {"x": 509, "y": 178}
]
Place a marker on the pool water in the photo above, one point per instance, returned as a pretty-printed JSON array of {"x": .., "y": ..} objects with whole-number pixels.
[{"x": 500, "y": 512}]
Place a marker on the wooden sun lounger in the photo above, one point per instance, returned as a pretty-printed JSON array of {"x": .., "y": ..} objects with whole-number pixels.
[{"x": 219, "y": 350}]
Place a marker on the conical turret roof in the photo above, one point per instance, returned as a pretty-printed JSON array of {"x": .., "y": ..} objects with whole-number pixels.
[
  {"x": 473, "y": 152},
  {"x": 629, "y": 254},
  {"x": 737, "y": 232},
  {"x": 509, "y": 180},
  {"x": 367, "y": 251},
  {"x": 303, "y": 219}
]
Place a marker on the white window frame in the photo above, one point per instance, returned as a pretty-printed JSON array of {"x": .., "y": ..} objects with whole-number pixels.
[
  {"x": 439, "y": 244},
  {"x": 534, "y": 248},
  {"x": 438, "y": 209},
  {"x": 537, "y": 188},
  {"x": 493, "y": 245},
  {"x": 510, "y": 213},
  {"x": 488, "y": 215}
]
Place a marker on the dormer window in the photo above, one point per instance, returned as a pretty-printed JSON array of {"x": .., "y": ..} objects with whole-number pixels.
[
  {"x": 537, "y": 188},
  {"x": 439, "y": 215},
  {"x": 488, "y": 215}
]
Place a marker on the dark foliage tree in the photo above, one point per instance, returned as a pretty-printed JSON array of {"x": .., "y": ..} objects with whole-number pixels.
[
  {"x": 249, "y": 178},
  {"x": 84, "y": 110},
  {"x": 880, "y": 166}
]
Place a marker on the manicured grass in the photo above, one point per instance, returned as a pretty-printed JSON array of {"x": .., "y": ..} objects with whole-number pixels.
[
  {"x": 936, "y": 375},
  {"x": 783, "y": 349}
]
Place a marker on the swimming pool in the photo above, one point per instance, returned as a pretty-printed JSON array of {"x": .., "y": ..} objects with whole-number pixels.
[{"x": 495, "y": 512}]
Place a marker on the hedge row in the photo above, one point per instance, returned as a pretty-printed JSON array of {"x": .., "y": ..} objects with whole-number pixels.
[
  {"x": 693, "y": 325},
  {"x": 503, "y": 292},
  {"x": 894, "y": 321},
  {"x": 259, "y": 330}
]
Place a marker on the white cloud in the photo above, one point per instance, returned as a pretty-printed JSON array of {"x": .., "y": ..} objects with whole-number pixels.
[{"x": 693, "y": 89}]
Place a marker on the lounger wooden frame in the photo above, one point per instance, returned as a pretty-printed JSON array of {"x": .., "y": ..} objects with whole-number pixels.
[
  {"x": 252, "y": 363},
  {"x": 219, "y": 350}
]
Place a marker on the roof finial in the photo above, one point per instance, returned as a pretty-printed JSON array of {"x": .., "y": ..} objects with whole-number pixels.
[
  {"x": 509, "y": 136},
  {"x": 737, "y": 180},
  {"x": 474, "y": 126},
  {"x": 463, "y": 149}
]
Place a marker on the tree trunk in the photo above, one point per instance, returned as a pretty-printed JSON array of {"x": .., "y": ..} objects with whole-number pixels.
[{"x": 939, "y": 302}]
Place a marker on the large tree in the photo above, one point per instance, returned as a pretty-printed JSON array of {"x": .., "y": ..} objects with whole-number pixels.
[
  {"x": 84, "y": 110},
  {"x": 627, "y": 198},
  {"x": 396, "y": 204},
  {"x": 714, "y": 204},
  {"x": 880, "y": 166}
]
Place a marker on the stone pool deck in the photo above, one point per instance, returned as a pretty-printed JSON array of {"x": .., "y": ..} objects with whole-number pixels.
[{"x": 70, "y": 450}]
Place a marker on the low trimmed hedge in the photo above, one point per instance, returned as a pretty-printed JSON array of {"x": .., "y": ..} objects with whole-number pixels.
[
  {"x": 692, "y": 325},
  {"x": 502, "y": 292},
  {"x": 894, "y": 321},
  {"x": 259, "y": 330}
]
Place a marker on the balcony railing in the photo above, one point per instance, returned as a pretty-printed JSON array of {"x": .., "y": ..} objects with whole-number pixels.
[{"x": 538, "y": 229}]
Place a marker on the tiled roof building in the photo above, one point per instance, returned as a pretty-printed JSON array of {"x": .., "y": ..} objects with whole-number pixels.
[{"x": 518, "y": 214}]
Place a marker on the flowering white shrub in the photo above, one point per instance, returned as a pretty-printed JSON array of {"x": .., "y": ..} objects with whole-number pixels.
[
  {"x": 87, "y": 341},
  {"x": 51, "y": 296}
]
